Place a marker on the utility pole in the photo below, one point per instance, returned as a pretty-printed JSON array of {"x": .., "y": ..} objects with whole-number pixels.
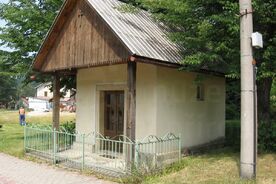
[{"x": 248, "y": 127}]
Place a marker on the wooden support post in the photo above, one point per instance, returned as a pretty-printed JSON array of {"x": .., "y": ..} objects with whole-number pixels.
[
  {"x": 56, "y": 101},
  {"x": 131, "y": 110},
  {"x": 131, "y": 100}
]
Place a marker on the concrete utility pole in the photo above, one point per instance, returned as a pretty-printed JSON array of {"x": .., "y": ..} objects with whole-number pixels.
[{"x": 248, "y": 130}]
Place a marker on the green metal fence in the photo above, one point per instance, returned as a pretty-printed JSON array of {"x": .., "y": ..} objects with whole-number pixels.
[
  {"x": 114, "y": 153},
  {"x": 156, "y": 152},
  {"x": 39, "y": 140},
  {"x": 113, "y": 156}
]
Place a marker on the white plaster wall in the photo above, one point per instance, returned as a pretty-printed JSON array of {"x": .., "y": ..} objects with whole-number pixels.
[
  {"x": 179, "y": 112},
  {"x": 165, "y": 102},
  {"x": 87, "y": 82},
  {"x": 108, "y": 77},
  {"x": 146, "y": 100}
]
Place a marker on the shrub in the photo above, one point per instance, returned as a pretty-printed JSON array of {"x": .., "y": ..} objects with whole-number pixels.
[
  {"x": 267, "y": 136},
  {"x": 233, "y": 134},
  {"x": 69, "y": 127}
]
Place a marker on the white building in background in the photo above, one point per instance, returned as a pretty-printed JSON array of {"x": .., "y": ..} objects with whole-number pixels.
[
  {"x": 43, "y": 90},
  {"x": 42, "y": 100},
  {"x": 39, "y": 104}
]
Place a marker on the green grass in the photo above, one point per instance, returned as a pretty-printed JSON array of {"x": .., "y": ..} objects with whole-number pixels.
[
  {"x": 216, "y": 167},
  {"x": 11, "y": 134}
]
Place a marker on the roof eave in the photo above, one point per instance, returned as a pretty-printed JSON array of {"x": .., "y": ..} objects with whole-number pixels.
[{"x": 147, "y": 60}]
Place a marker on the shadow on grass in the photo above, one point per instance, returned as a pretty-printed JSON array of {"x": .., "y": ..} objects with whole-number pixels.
[
  {"x": 219, "y": 154},
  {"x": 222, "y": 154},
  {"x": 198, "y": 160}
]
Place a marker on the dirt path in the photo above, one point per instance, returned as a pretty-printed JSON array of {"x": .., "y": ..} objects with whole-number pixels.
[{"x": 16, "y": 171}]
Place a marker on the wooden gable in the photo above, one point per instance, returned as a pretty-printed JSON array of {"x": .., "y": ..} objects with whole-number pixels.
[{"x": 84, "y": 40}]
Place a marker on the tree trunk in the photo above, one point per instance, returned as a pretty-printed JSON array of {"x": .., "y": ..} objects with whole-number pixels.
[
  {"x": 264, "y": 88},
  {"x": 56, "y": 101}
]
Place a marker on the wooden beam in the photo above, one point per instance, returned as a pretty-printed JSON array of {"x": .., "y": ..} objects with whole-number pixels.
[
  {"x": 131, "y": 100},
  {"x": 56, "y": 101},
  {"x": 177, "y": 66}
]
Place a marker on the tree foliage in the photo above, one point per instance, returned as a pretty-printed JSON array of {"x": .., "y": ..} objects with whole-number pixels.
[
  {"x": 207, "y": 29},
  {"x": 7, "y": 87},
  {"x": 265, "y": 22},
  {"x": 204, "y": 29},
  {"x": 209, "y": 32},
  {"x": 7, "y": 91},
  {"x": 12, "y": 83},
  {"x": 27, "y": 23}
]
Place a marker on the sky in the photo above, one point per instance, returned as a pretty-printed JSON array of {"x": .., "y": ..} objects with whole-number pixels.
[
  {"x": 2, "y": 23},
  {"x": 2, "y": 1}
]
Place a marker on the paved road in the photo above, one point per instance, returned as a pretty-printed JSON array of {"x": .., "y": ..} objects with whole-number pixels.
[{"x": 16, "y": 171}]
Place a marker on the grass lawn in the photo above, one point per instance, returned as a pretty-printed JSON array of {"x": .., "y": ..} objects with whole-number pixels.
[
  {"x": 216, "y": 167},
  {"x": 11, "y": 134}
]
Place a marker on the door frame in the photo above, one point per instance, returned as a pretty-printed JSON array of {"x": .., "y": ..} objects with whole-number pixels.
[{"x": 100, "y": 88}]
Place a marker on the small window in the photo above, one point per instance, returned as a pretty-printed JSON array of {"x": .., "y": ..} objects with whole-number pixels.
[
  {"x": 200, "y": 92},
  {"x": 45, "y": 93}
]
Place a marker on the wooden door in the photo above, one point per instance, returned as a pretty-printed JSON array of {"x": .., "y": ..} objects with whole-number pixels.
[{"x": 114, "y": 113}]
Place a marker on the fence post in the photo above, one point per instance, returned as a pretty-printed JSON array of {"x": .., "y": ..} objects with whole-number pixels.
[
  {"x": 136, "y": 144},
  {"x": 83, "y": 150},
  {"x": 55, "y": 145},
  {"x": 95, "y": 142},
  {"x": 179, "y": 147}
]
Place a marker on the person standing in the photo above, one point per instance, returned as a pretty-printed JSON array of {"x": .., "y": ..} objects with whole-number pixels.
[{"x": 22, "y": 116}]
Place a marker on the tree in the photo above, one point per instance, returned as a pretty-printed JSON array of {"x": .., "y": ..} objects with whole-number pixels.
[
  {"x": 7, "y": 87},
  {"x": 12, "y": 83},
  {"x": 265, "y": 22},
  {"x": 209, "y": 32},
  {"x": 273, "y": 100},
  {"x": 7, "y": 92},
  {"x": 28, "y": 22},
  {"x": 203, "y": 28}
]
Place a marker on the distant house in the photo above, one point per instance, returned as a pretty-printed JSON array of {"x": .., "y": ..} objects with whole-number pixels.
[
  {"x": 39, "y": 104},
  {"x": 128, "y": 77},
  {"x": 43, "y": 90},
  {"x": 43, "y": 99}
]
